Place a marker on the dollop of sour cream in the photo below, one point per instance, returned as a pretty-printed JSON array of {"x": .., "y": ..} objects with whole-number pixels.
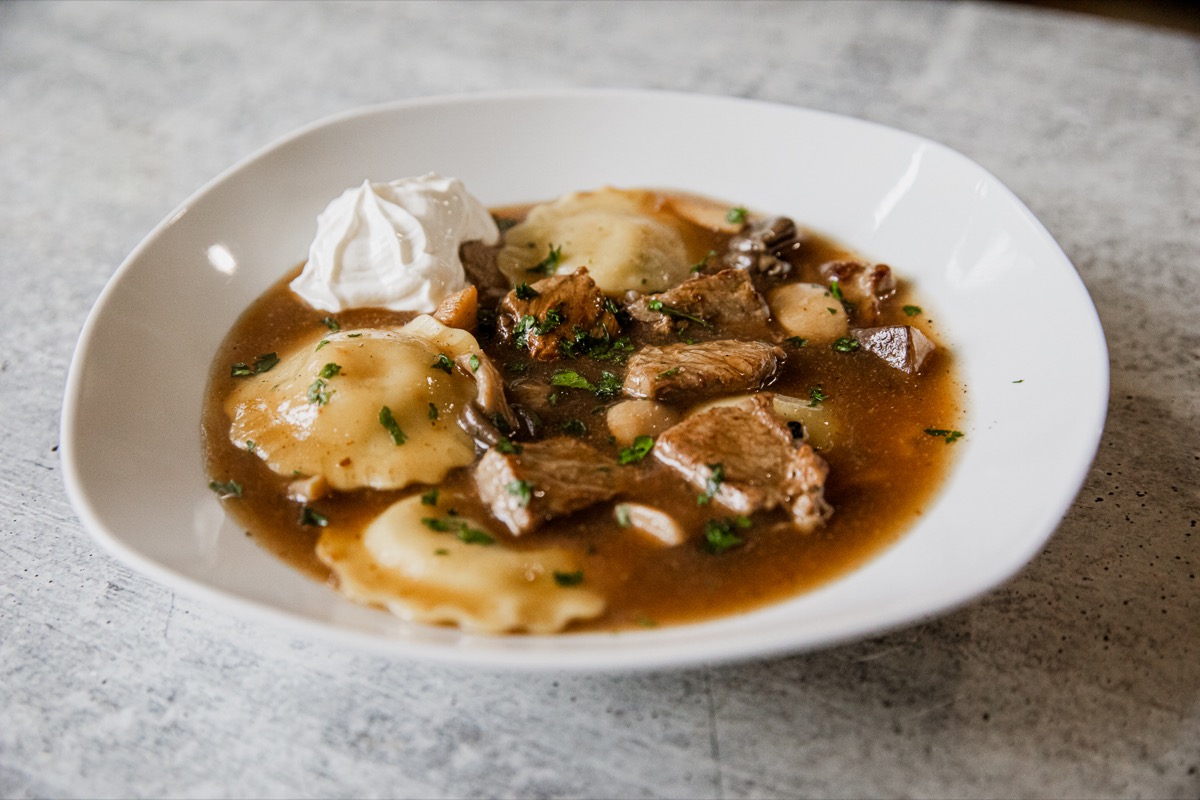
[{"x": 393, "y": 245}]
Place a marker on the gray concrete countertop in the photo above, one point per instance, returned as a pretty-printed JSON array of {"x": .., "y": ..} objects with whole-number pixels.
[{"x": 1081, "y": 677}]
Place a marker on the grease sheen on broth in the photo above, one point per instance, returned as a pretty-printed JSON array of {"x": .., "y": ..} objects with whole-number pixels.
[{"x": 884, "y": 470}]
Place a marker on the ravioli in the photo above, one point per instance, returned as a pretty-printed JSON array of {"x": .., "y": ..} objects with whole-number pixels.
[
  {"x": 318, "y": 412},
  {"x": 619, "y": 235},
  {"x": 448, "y": 571}
]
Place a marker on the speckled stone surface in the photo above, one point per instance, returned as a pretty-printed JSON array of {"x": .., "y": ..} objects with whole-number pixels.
[{"x": 1081, "y": 677}]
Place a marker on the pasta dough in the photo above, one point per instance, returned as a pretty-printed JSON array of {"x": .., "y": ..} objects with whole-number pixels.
[
  {"x": 318, "y": 412},
  {"x": 424, "y": 574},
  {"x": 620, "y": 237}
]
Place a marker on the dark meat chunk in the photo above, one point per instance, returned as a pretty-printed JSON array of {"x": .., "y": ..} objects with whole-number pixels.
[
  {"x": 902, "y": 346},
  {"x": 479, "y": 262},
  {"x": 694, "y": 371},
  {"x": 864, "y": 286},
  {"x": 726, "y": 302},
  {"x": 765, "y": 248},
  {"x": 545, "y": 480},
  {"x": 488, "y": 416},
  {"x": 747, "y": 460},
  {"x": 555, "y": 314}
]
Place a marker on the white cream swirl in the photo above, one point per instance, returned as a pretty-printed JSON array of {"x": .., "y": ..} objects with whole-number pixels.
[{"x": 393, "y": 245}]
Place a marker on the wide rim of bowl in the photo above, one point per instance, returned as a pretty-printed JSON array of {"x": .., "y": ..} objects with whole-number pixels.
[{"x": 676, "y": 646}]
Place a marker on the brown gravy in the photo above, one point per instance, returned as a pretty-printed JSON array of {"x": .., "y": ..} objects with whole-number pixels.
[{"x": 884, "y": 471}]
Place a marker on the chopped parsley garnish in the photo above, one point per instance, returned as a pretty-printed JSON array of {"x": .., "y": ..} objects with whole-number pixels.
[
  {"x": 846, "y": 344},
  {"x": 670, "y": 372},
  {"x": 473, "y": 362},
  {"x": 318, "y": 392},
  {"x": 568, "y": 578},
  {"x": 716, "y": 476},
  {"x": 313, "y": 518},
  {"x": 616, "y": 350},
  {"x": 835, "y": 289},
  {"x": 950, "y": 436},
  {"x": 261, "y": 364},
  {"x": 506, "y": 445},
  {"x": 702, "y": 263},
  {"x": 321, "y": 344},
  {"x": 430, "y": 498},
  {"x": 433, "y": 412},
  {"x": 671, "y": 311},
  {"x": 571, "y": 379},
  {"x": 831, "y": 310},
  {"x": 329, "y": 370},
  {"x": 227, "y": 489},
  {"x": 815, "y": 395},
  {"x": 796, "y": 341},
  {"x": 459, "y": 528},
  {"x": 522, "y": 490},
  {"x": 911, "y": 311},
  {"x": 574, "y": 427},
  {"x": 1022, "y": 380},
  {"x": 443, "y": 363},
  {"x": 388, "y": 421},
  {"x": 353, "y": 335},
  {"x": 549, "y": 264},
  {"x": 526, "y": 292},
  {"x": 332, "y": 324},
  {"x": 735, "y": 215},
  {"x": 621, "y": 514},
  {"x": 719, "y": 533},
  {"x": 608, "y": 387},
  {"x": 550, "y": 320},
  {"x": 517, "y": 367},
  {"x": 441, "y": 551},
  {"x": 641, "y": 447},
  {"x": 250, "y": 445}
]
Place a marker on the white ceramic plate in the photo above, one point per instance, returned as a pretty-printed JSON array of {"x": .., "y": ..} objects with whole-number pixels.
[{"x": 1001, "y": 291}]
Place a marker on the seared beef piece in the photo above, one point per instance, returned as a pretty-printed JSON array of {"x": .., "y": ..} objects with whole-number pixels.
[
  {"x": 479, "y": 262},
  {"x": 727, "y": 302},
  {"x": 765, "y": 248},
  {"x": 489, "y": 415},
  {"x": 545, "y": 480},
  {"x": 863, "y": 285},
  {"x": 747, "y": 460},
  {"x": 902, "y": 346},
  {"x": 563, "y": 308},
  {"x": 693, "y": 371}
]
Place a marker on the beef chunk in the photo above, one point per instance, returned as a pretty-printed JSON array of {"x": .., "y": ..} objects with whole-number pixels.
[
  {"x": 902, "y": 346},
  {"x": 747, "y": 460},
  {"x": 726, "y": 303},
  {"x": 489, "y": 415},
  {"x": 863, "y": 285},
  {"x": 479, "y": 262},
  {"x": 764, "y": 249},
  {"x": 554, "y": 314},
  {"x": 545, "y": 480},
  {"x": 693, "y": 371}
]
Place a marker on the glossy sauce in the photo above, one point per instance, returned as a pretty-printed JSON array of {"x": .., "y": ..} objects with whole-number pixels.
[{"x": 884, "y": 469}]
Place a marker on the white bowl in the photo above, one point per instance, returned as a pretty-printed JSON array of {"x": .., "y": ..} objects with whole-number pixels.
[{"x": 1002, "y": 293}]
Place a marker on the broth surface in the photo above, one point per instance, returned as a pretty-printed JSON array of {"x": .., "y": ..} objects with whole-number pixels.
[{"x": 884, "y": 469}]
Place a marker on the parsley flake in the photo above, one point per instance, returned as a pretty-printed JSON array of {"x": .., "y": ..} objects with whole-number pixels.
[
  {"x": 388, "y": 421},
  {"x": 443, "y": 363},
  {"x": 430, "y": 498},
  {"x": 671, "y": 311},
  {"x": 846, "y": 344},
  {"x": 735, "y": 215},
  {"x": 261, "y": 364},
  {"x": 670, "y": 372},
  {"x": 332, "y": 324},
  {"x": 950, "y": 436},
  {"x": 549, "y": 264},
  {"x": 702, "y": 263},
  {"x": 815, "y": 395},
  {"x": 321, "y": 344},
  {"x": 575, "y": 427},
  {"x": 526, "y": 292},
  {"x": 433, "y": 412},
  {"x": 911, "y": 311},
  {"x": 506, "y": 445},
  {"x": 719, "y": 534},
  {"x": 641, "y": 447},
  {"x": 571, "y": 380},
  {"x": 318, "y": 393},
  {"x": 608, "y": 387},
  {"x": 329, "y": 370},
  {"x": 227, "y": 489},
  {"x": 310, "y": 517},
  {"x": 522, "y": 490},
  {"x": 796, "y": 341},
  {"x": 473, "y": 362},
  {"x": 568, "y": 578}
]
